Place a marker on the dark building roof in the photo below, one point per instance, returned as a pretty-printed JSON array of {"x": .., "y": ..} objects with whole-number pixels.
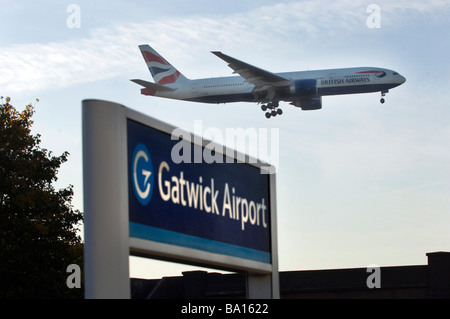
[{"x": 400, "y": 282}]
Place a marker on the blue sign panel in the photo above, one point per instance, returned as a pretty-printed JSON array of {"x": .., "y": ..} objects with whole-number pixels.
[{"x": 217, "y": 207}]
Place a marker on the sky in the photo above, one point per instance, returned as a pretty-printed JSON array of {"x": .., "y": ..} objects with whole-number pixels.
[{"x": 358, "y": 182}]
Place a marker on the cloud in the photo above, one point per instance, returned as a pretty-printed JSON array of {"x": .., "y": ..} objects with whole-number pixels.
[{"x": 112, "y": 50}]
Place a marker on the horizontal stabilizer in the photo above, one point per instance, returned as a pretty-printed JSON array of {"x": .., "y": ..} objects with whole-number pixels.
[{"x": 152, "y": 86}]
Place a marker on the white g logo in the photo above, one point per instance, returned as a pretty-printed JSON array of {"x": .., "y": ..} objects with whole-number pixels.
[{"x": 142, "y": 174}]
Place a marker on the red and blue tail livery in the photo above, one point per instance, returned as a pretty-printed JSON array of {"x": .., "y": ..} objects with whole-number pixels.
[
  {"x": 303, "y": 89},
  {"x": 162, "y": 71}
]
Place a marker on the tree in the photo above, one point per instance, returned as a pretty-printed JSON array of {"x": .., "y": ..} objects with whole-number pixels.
[{"x": 38, "y": 224}]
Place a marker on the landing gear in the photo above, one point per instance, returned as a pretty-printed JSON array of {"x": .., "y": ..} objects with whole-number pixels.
[
  {"x": 383, "y": 93},
  {"x": 274, "y": 113},
  {"x": 273, "y": 109}
]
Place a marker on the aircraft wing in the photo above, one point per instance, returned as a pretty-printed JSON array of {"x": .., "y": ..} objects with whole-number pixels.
[{"x": 256, "y": 76}]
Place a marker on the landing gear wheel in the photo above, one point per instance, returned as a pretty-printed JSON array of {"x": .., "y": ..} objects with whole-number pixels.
[
  {"x": 383, "y": 93},
  {"x": 271, "y": 109}
]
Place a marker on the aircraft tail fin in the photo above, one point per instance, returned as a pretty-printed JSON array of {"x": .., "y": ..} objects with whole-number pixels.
[{"x": 162, "y": 71}]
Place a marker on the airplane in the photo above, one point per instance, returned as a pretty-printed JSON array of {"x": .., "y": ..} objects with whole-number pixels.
[{"x": 303, "y": 89}]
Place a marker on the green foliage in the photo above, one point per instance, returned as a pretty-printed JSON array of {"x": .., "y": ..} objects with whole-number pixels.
[{"x": 38, "y": 224}]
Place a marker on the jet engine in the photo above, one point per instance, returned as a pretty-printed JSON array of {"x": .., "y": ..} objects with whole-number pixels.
[
  {"x": 308, "y": 104},
  {"x": 304, "y": 88}
]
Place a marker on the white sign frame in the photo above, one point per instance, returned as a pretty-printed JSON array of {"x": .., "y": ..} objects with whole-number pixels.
[{"x": 106, "y": 224}]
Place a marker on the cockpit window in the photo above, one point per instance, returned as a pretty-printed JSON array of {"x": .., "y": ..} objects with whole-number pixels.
[{"x": 395, "y": 73}]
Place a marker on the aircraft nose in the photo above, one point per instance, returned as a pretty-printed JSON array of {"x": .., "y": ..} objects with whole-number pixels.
[{"x": 402, "y": 79}]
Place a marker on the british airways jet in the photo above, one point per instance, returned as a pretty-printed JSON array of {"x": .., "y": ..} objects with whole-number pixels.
[{"x": 302, "y": 89}]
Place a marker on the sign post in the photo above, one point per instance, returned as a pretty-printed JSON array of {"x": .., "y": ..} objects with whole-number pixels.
[
  {"x": 106, "y": 232},
  {"x": 156, "y": 191}
]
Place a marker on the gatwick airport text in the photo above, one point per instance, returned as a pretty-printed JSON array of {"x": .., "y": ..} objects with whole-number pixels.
[{"x": 206, "y": 196}]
